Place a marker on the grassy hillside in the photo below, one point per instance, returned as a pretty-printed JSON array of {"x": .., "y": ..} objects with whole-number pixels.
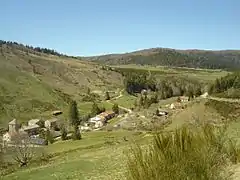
[
  {"x": 32, "y": 84},
  {"x": 103, "y": 154},
  {"x": 177, "y": 58}
]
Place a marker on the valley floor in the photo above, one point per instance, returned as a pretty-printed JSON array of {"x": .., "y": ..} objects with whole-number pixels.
[{"x": 102, "y": 154}]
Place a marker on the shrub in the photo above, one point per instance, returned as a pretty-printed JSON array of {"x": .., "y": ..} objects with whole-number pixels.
[{"x": 183, "y": 154}]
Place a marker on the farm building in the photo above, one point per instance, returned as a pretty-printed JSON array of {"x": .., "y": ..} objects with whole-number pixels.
[
  {"x": 51, "y": 123},
  {"x": 13, "y": 126},
  {"x": 56, "y": 113},
  {"x": 184, "y": 99},
  {"x": 32, "y": 129},
  {"x": 101, "y": 119},
  {"x": 107, "y": 115},
  {"x": 33, "y": 122}
]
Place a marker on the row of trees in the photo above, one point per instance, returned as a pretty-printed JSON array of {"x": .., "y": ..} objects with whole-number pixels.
[
  {"x": 224, "y": 83},
  {"x": 31, "y": 48}
]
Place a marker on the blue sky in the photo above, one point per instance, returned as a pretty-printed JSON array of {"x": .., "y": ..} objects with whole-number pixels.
[{"x": 93, "y": 27}]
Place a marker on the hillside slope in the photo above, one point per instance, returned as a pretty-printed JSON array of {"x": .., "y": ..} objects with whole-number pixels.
[
  {"x": 32, "y": 84},
  {"x": 229, "y": 59}
]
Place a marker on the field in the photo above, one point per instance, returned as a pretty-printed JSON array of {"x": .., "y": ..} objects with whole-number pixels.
[
  {"x": 99, "y": 155},
  {"x": 102, "y": 154},
  {"x": 203, "y": 75}
]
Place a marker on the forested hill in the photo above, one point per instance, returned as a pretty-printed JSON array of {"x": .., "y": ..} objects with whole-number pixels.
[{"x": 227, "y": 59}]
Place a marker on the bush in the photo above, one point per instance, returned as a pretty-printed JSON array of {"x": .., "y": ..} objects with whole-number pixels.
[{"x": 183, "y": 154}]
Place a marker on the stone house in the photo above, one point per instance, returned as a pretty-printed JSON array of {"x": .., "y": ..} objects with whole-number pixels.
[
  {"x": 51, "y": 123},
  {"x": 33, "y": 122},
  {"x": 32, "y": 129}
]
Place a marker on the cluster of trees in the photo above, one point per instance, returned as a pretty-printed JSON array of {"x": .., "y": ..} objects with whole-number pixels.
[
  {"x": 75, "y": 121},
  {"x": 36, "y": 49},
  {"x": 136, "y": 82},
  {"x": 24, "y": 151},
  {"x": 224, "y": 83},
  {"x": 165, "y": 88},
  {"x": 145, "y": 101}
]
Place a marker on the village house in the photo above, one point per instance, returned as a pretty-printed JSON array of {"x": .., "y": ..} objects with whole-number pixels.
[
  {"x": 56, "y": 113},
  {"x": 162, "y": 112},
  {"x": 97, "y": 121},
  {"x": 107, "y": 115},
  {"x": 13, "y": 126},
  {"x": 32, "y": 129},
  {"x": 13, "y": 133},
  {"x": 51, "y": 123},
  {"x": 101, "y": 119},
  {"x": 33, "y": 122},
  {"x": 184, "y": 99}
]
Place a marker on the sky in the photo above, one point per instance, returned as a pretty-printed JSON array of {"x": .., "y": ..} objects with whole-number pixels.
[{"x": 94, "y": 27}]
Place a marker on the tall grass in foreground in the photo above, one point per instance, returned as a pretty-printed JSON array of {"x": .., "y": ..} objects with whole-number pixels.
[{"x": 196, "y": 154}]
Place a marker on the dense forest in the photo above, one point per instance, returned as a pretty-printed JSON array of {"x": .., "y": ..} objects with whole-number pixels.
[
  {"x": 227, "y": 86},
  {"x": 138, "y": 82},
  {"x": 175, "y": 58}
]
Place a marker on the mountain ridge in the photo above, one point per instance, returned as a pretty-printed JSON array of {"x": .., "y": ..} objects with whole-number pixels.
[{"x": 194, "y": 58}]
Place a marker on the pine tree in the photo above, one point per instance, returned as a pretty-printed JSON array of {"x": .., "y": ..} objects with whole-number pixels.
[
  {"x": 107, "y": 96},
  {"x": 141, "y": 101},
  {"x": 197, "y": 91},
  {"x": 76, "y": 133},
  {"x": 63, "y": 133},
  {"x": 236, "y": 83},
  {"x": 217, "y": 86},
  {"x": 74, "y": 115},
  {"x": 154, "y": 98},
  {"x": 88, "y": 91},
  {"x": 190, "y": 93},
  {"x": 95, "y": 109},
  {"x": 49, "y": 137},
  {"x": 115, "y": 108}
]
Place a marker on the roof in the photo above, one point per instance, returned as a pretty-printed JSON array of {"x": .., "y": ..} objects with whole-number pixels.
[
  {"x": 183, "y": 97},
  {"x": 13, "y": 122},
  {"x": 96, "y": 118},
  {"x": 57, "y": 112},
  {"x": 34, "y": 121},
  {"x": 52, "y": 120},
  {"x": 101, "y": 117},
  {"x": 34, "y": 126},
  {"x": 106, "y": 113},
  {"x": 162, "y": 110}
]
